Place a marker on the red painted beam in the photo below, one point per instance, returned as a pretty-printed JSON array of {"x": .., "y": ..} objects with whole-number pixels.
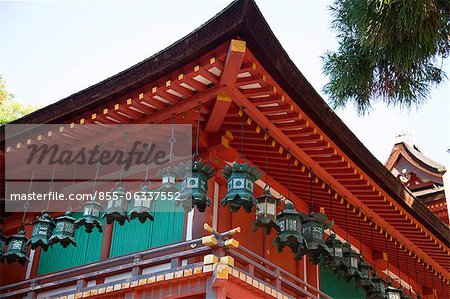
[{"x": 231, "y": 69}]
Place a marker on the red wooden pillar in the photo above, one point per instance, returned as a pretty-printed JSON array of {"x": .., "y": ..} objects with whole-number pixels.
[
  {"x": 106, "y": 241},
  {"x": 311, "y": 273},
  {"x": 200, "y": 218},
  {"x": 34, "y": 267}
]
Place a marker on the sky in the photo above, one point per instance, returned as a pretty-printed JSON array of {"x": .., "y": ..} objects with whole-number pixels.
[{"x": 50, "y": 50}]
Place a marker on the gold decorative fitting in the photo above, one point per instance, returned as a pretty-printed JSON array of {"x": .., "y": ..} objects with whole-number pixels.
[
  {"x": 210, "y": 241},
  {"x": 134, "y": 284},
  {"x": 227, "y": 260},
  {"x": 210, "y": 259},
  {"x": 222, "y": 271},
  {"x": 117, "y": 287},
  {"x": 198, "y": 270},
  {"x": 232, "y": 243},
  {"x": 125, "y": 285},
  {"x": 237, "y": 45},
  {"x": 142, "y": 281}
]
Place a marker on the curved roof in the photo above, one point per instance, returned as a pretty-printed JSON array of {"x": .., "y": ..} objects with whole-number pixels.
[{"x": 241, "y": 18}]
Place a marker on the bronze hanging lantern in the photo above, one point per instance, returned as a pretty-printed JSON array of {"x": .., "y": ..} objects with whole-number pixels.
[
  {"x": 289, "y": 233},
  {"x": 351, "y": 258},
  {"x": 266, "y": 212},
  {"x": 241, "y": 180},
  {"x": 64, "y": 231},
  {"x": 194, "y": 187},
  {"x": 362, "y": 276},
  {"x": 266, "y": 208},
  {"x": 334, "y": 260},
  {"x": 91, "y": 217},
  {"x": 391, "y": 292},
  {"x": 142, "y": 204},
  {"x": 42, "y": 231},
  {"x": 91, "y": 209},
  {"x": 17, "y": 249},
  {"x": 377, "y": 289},
  {"x": 116, "y": 207},
  {"x": 313, "y": 231},
  {"x": 168, "y": 179}
]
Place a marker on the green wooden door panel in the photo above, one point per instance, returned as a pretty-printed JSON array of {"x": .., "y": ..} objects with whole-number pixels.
[
  {"x": 338, "y": 288},
  {"x": 58, "y": 258},
  {"x": 133, "y": 236}
]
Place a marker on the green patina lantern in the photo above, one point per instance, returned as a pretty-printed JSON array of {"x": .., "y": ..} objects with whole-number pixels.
[
  {"x": 42, "y": 231},
  {"x": 392, "y": 293},
  {"x": 289, "y": 233},
  {"x": 142, "y": 204},
  {"x": 266, "y": 212},
  {"x": 362, "y": 276},
  {"x": 64, "y": 231},
  {"x": 168, "y": 177},
  {"x": 335, "y": 258},
  {"x": 194, "y": 187},
  {"x": 377, "y": 289},
  {"x": 313, "y": 231},
  {"x": 91, "y": 217},
  {"x": 241, "y": 180},
  {"x": 351, "y": 258},
  {"x": 116, "y": 208},
  {"x": 17, "y": 249}
]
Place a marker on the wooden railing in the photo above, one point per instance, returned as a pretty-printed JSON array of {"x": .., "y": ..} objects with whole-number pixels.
[
  {"x": 248, "y": 262},
  {"x": 281, "y": 278}
]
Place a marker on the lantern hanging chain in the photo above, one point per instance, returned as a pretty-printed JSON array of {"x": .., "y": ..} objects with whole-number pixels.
[
  {"x": 346, "y": 222},
  {"x": 242, "y": 132},
  {"x": 289, "y": 176},
  {"x": 387, "y": 257},
  {"x": 409, "y": 280},
  {"x": 360, "y": 234},
  {"x": 172, "y": 139},
  {"x": 331, "y": 203},
  {"x": 432, "y": 283},
  {"x": 73, "y": 185},
  {"x": 311, "y": 191},
  {"x": 267, "y": 155},
  {"x": 398, "y": 265},
  {"x": 371, "y": 235},
  {"x": 27, "y": 204},
  {"x": 50, "y": 188},
  {"x": 197, "y": 137},
  {"x": 425, "y": 277},
  {"x": 417, "y": 277},
  {"x": 94, "y": 186},
  {"x": 150, "y": 140},
  {"x": 125, "y": 138}
]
